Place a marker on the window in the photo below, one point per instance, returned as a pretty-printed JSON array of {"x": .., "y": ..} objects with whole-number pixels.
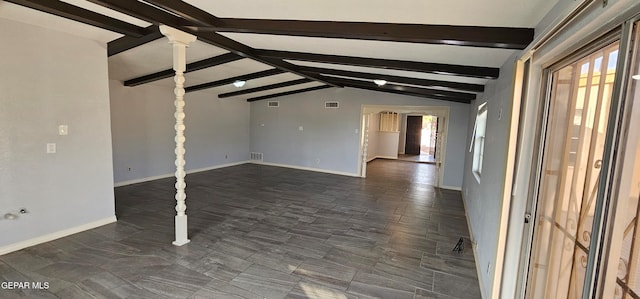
[{"x": 478, "y": 140}]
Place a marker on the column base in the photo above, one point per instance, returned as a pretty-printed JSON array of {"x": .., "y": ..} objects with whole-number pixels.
[
  {"x": 181, "y": 231},
  {"x": 180, "y": 243}
]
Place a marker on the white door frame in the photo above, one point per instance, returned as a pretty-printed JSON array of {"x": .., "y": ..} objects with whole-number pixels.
[{"x": 442, "y": 112}]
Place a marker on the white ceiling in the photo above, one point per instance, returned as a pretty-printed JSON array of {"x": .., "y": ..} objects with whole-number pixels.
[
  {"x": 503, "y": 13},
  {"x": 156, "y": 55}
]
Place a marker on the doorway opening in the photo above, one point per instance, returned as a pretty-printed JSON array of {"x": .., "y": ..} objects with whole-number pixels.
[
  {"x": 418, "y": 134},
  {"x": 421, "y": 139}
]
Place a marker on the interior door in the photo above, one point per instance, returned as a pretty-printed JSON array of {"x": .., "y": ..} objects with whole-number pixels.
[
  {"x": 414, "y": 132},
  {"x": 434, "y": 136},
  {"x": 439, "y": 153},
  {"x": 364, "y": 144}
]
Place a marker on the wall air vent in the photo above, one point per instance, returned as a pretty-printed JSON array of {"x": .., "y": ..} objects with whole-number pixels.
[
  {"x": 332, "y": 104},
  {"x": 256, "y": 157},
  {"x": 273, "y": 104}
]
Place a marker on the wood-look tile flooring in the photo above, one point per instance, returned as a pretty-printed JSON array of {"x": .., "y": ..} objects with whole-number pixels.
[
  {"x": 266, "y": 232},
  {"x": 422, "y": 158}
]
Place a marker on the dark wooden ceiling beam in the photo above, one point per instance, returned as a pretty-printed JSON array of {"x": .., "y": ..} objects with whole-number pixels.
[
  {"x": 226, "y": 81},
  {"x": 129, "y": 42},
  {"x": 414, "y": 66},
  {"x": 191, "y": 67},
  {"x": 186, "y": 11},
  {"x": 406, "y": 90},
  {"x": 286, "y": 93},
  {"x": 396, "y": 79},
  {"x": 158, "y": 16},
  {"x": 473, "y": 36},
  {"x": 72, "y": 12},
  {"x": 266, "y": 87},
  {"x": 143, "y": 11},
  {"x": 429, "y": 91}
]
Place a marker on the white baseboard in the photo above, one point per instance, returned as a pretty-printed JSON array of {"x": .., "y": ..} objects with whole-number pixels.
[
  {"x": 168, "y": 175},
  {"x": 142, "y": 180},
  {"x": 388, "y": 157},
  {"x": 55, "y": 235},
  {"x": 308, "y": 169},
  {"x": 452, "y": 188},
  {"x": 474, "y": 246},
  {"x": 216, "y": 167}
]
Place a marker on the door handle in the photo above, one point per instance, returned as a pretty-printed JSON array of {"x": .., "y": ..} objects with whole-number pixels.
[{"x": 597, "y": 164}]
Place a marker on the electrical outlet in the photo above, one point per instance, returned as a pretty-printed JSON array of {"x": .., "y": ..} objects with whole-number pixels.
[
  {"x": 63, "y": 130},
  {"x": 51, "y": 148}
]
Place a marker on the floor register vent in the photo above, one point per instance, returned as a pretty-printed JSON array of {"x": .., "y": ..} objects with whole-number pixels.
[{"x": 256, "y": 156}]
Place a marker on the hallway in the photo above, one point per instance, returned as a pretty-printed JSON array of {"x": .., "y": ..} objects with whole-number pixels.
[{"x": 267, "y": 232}]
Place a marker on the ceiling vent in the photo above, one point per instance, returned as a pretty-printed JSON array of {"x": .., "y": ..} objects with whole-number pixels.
[
  {"x": 273, "y": 104},
  {"x": 332, "y": 105}
]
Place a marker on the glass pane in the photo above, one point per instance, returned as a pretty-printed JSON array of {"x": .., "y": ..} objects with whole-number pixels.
[
  {"x": 627, "y": 281},
  {"x": 578, "y": 115}
]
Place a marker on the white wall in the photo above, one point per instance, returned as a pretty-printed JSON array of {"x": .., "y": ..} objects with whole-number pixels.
[
  {"x": 217, "y": 131},
  {"x": 483, "y": 200},
  {"x": 381, "y": 144},
  {"x": 50, "y": 78},
  {"x": 388, "y": 145},
  {"x": 330, "y": 139}
]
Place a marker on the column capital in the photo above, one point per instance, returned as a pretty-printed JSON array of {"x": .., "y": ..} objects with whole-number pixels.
[{"x": 177, "y": 36}]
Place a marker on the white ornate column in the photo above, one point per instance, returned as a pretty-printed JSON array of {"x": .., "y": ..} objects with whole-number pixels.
[{"x": 180, "y": 40}]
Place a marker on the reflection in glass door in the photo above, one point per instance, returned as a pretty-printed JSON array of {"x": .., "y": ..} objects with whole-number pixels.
[{"x": 575, "y": 136}]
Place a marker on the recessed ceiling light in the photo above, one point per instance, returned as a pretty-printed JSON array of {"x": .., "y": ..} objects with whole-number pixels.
[
  {"x": 380, "y": 82},
  {"x": 239, "y": 83},
  {"x": 636, "y": 77}
]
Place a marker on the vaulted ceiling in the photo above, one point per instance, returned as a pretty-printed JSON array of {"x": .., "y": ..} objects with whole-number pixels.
[{"x": 444, "y": 50}]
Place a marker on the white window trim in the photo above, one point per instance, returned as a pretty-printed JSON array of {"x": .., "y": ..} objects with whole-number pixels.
[{"x": 478, "y": 141}]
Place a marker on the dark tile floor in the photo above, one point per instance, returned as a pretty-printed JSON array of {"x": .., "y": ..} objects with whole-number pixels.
[
  {"x": 266, "y": 232},
  {"x": 422, "y": 158}
]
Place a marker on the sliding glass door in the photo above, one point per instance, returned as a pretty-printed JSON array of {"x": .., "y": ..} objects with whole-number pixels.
[
  {"x": 578, "y": 113},
  {"x": 586, "y": 233},
  {"x": 623, "y": 266}
]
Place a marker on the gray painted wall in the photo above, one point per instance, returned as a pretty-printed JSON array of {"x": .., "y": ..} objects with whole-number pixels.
[
  {"x": 330, "y": 138},
  {"x": 483, "y": 200},
  {"x": 50, "y": 78},
  {"x": 217, "y": 131}
]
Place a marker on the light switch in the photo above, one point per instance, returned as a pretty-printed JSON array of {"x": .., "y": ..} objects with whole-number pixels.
[
  {"x": 63, "y": 130},
  {"x": 51, "y": 148},
  {"x": 300, "y": 128}
]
